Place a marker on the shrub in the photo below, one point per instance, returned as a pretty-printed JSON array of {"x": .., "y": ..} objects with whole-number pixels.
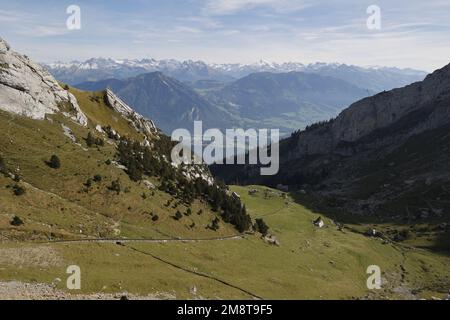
[
  {"x": 178, "y": 215},
  {"x": 97, "y": 178},
  {"x": 261, "y": 227},
  {"x": 18, "y": 190},
  {"x": 88, "y": 183},
  {"x": 90, "y": 140},
  {"x": 135, "y": 170},
  {"x": 93, "y": 141},
  {"x": 3, "y": 168},
  {"x": 155, "y": 217},
  {"x": 215, "y": 224},
  {"x": 16, "y": 221},
  {"x": 402, "y": 235},
  {"x": 115, "y": 186},
  {"x": 188, "y": 212},
  {"x": 54, "y": 162}
]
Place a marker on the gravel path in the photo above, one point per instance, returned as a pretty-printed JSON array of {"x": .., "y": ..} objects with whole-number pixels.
[{"x": 16, "y": 290}]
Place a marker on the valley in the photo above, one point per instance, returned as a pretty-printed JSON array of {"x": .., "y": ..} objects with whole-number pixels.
[
  {"x": 87, "y": 181},
  {"x": 309, "y": 263}
]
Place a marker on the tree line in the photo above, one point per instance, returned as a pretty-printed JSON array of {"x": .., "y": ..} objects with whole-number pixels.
[{"x": 141, "y": 160}]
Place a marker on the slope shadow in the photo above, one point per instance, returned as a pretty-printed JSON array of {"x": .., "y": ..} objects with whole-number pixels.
[{"x": 436, "y": 239}]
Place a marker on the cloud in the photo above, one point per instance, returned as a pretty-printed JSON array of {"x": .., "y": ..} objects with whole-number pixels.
[
  {"x": 203, "y": 22},
  {"x": 185, "y": 29},
  {"x": 13, "y": 16},
  {"x": 30, "y": 24},
  {"x": 414, "y": 32},
  {"x": 43, "y": 30},
  {"x": 224, "y": 7}
]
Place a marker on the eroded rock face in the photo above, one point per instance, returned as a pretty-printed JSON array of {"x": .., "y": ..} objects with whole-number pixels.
[
  {"x": 29, "y": 90},
  {"x": 387, "y": 108}
]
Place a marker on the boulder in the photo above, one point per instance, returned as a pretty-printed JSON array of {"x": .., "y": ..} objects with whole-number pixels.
[
  {"x": 149, "y": 185},
  {"x": 319, "y": 222},
  {"x": 270, "y": 239}
]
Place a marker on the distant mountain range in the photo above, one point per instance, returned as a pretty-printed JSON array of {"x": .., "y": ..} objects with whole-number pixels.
[
  {"x": 374, "y": 79},
  {"x": 288, "y": 96},
  {"x": 262, "y": 100}
]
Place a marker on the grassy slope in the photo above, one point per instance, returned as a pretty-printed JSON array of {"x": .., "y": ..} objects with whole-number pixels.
[
  {"x": 55, "y": 204},
  {"x": 309, "y": 263}
]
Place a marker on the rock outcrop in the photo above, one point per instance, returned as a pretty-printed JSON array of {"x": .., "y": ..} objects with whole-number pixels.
[
  {"x": 29, "y": 90},
  {"x": 139, "y": 122}
]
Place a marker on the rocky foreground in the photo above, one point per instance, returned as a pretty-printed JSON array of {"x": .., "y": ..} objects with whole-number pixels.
[{"x": 16, "y": 290}]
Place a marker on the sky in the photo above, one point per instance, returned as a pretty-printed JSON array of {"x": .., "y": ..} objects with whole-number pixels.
[{"x": 412, "y": 33}]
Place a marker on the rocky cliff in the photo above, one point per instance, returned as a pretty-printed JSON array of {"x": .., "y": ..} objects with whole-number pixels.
[
  {"x": 139, "y": 122},
  {"x": 424, "y": 103},
  {"x": 29, "y": 90}
]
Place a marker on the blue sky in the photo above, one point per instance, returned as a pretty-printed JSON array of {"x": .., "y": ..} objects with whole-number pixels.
[{"x": 413, "y": 33}]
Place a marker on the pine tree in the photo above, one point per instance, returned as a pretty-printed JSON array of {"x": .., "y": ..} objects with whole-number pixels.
[
  {"x": 115, "y": 186},
  {"x": 215, "y": 224},
  {"x": 18, "y": 190},
  {"x": 54, "y": 162},
  {"x": 178, "y": 215},
  {"x": 90, "y": 140},
  {"x": 135, "y": 171},
  {"x": 16, "y": 221},
  {"x": 3, "y": 168},
  {"x": 261, "y": 227}
]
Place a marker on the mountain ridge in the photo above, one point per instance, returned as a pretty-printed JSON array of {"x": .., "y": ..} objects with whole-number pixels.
[
  {"x": 261, "y": 100},
  {"x": 386, "y": 108},
  {"x": 94, "y": 69},
  {"x": 170, "y": 102}
]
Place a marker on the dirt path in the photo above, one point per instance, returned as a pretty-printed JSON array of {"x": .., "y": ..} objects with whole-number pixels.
[
  {"x": 141, "y": 240},
  {"x": 275, "y": 212}
]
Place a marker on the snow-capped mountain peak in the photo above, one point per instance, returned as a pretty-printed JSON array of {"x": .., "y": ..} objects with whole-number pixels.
[{"x": 372, "y": 78}]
